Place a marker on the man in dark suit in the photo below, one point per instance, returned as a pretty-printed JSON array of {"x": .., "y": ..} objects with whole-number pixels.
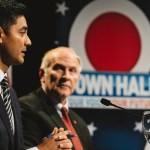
[
  {"x": 13, "y": 45},
  {"x": 41, "y": 109}
]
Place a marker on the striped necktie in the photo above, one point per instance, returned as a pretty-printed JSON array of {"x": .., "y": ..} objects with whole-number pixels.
[
  {"x": 65, "y": 117},
  {"x": 7, "y": 101}
]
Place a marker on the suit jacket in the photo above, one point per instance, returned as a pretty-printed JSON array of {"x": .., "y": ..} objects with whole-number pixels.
[
  {"x": 39, "y": 118},
  {"x": 8, "y": 141}
]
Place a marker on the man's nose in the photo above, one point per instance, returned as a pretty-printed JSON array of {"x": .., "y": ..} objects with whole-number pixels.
[
  {"x": 28, "y": 41},
  {"x": 66, "y": 74}
]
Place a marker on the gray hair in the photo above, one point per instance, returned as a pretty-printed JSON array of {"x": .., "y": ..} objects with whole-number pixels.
[{"x": 52, "y": 54}]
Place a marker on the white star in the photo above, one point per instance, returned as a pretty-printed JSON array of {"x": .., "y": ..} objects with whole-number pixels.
[
  {"x": 92, "y": 128},
  {"x": 138, "y": 127},
  {"x": 62, "y": 8}
]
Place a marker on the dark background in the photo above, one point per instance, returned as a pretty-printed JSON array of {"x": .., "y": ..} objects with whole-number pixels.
[{"x": 41, "y": 32}]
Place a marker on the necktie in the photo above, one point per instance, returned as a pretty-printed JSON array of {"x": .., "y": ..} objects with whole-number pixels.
[
  {"x": 76, "y": 141},
  {"x": 7, "y": 102}
]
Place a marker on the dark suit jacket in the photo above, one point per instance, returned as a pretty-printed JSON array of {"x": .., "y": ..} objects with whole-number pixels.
[
  {"x": 39, "y": 118},
  {"x": 7, "y": 140}
]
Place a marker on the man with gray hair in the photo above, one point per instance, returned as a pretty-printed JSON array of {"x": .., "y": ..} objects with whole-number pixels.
[{"x": 47, "y": 107}]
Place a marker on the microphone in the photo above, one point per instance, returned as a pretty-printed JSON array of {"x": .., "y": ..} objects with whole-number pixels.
[{"x": 107, "y": 102}]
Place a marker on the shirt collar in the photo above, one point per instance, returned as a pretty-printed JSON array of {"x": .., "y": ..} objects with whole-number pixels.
[
  {"x": 2, "y": 74},
  {"x": 59, "y": 106}
]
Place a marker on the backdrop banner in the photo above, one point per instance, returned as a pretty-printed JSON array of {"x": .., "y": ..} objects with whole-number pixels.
[{"x": 112, "y": 38}]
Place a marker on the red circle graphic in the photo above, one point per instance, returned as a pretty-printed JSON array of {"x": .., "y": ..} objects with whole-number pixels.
[{"x": 113, "y": 43}]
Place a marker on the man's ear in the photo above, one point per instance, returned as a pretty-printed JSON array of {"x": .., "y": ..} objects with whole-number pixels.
[
  {"x": 41, "y": 72},
  {"x": 1, "y": 34}
]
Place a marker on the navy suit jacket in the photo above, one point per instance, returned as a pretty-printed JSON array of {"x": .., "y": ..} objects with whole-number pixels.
[
  {"x": 8, "y": 141},
  {"x": 39, "y": 117}
]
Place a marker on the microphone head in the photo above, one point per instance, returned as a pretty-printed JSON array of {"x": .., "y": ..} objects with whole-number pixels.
[{"x": 105, "y": 102}]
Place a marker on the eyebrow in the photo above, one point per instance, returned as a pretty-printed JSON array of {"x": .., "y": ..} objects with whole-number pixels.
[
  {"x": 24, "y": 28},
  {"x": 61, "y": 65}
]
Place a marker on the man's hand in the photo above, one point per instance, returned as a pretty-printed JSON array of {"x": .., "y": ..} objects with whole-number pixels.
[{"x": 58, "y": 141}]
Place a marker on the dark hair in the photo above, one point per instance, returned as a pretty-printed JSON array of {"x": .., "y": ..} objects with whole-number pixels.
[{"x": 10, "y": 10}]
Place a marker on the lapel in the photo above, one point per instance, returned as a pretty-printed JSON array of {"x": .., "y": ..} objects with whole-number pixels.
[
  {"x": 77, "y": 126},
  {"x": 56, "y": 118},
  {"x": 4, "y": 117},
  {"x": 17, "y": 120},
  {"x": 75, "y": 121},
  {"x": 50, "y": 110}
]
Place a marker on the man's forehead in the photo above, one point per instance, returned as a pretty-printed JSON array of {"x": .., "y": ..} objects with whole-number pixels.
[
  {"x": 20, "y": 23},
  {"x": 66, "y": 64}
]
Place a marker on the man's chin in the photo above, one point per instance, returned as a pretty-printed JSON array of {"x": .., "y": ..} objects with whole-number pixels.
[
  {"x": 20, "y": 62},
  {"x": 64, "y": 93}
]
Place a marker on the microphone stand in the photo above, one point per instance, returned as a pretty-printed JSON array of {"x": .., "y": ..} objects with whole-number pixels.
[{"x": 107, "y": 102}]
